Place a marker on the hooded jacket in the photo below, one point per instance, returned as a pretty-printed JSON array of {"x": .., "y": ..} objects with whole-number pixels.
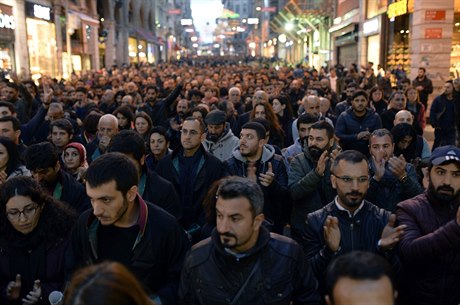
[
  {"x": 223, "y": 147},
  {"x": 277, "y": 200}
]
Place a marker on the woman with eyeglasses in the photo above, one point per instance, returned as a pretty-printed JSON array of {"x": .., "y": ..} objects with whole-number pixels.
[{"x": 35, "y": 233}]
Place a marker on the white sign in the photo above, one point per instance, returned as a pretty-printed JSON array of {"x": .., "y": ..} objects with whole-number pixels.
[
  {"x": 371, "y": 26},
  {"x": 7, "y": 22},
  {"x": 42, "y": 12},
  {"x": 253, "y": 20}
]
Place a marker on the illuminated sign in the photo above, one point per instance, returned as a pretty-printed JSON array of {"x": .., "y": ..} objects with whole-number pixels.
[
  {"x": 371, "y": 26},
  {"x": 7, "y": 20},
  {"x": 397, "y": 9},
  {"x": 42, "y": 12},
  {"x": 253, "y": 20}
]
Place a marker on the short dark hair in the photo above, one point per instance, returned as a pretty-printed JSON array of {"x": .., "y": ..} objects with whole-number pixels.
[
  {"x": 9, "y": 105},
  {"x": 128, "y": 142},
  {"x": 235, "y": 187},
  {"x": 62, "y": 124},
  {"x": 352, "y": 156},
  {"x": 40, "y": 156},
  {"x": 160, "y": 130},
  {"x": 323, "y": 125},
  {"x": 16, "y": 123},
  {"x": 307, "y": 118},
  {"x": 13, "y": 85},
  {"x": 422, "y": 68},
  {"x": 257, "y": 127},
  {"x": 202, "y": 125},
  {"x": 359, "y": 265},
  {"x": 379, "y": 133},
  {"x": 360, "y": 93},
  {"x": 81, "y": 89},
  {"x": 113, "y": 166},
  {"x": 126, "y": 111},
  {"x": 145, "y": 116}
]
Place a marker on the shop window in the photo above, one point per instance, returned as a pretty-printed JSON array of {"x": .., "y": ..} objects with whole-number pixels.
[{"x": 455, "y": 54}]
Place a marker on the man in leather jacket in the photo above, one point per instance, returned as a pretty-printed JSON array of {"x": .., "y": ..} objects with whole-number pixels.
[{"x": 242, "y": 263}]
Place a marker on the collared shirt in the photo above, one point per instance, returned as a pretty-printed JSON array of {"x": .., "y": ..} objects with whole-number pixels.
[{"x": 343, "y": 209}]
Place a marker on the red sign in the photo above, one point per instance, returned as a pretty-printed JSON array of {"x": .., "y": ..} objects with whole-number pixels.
[
  {"x": 435, "y": 33},
  {"x": 435, "y": 15},
  {"x": 174, "y": 11},
  {"x": 270, "y": 9}
]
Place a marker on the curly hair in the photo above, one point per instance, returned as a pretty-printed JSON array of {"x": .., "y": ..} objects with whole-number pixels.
[{"x": 57, "y": 218}]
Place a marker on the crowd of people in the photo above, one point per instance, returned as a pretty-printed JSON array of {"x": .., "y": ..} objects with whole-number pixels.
[{"x": 229, "y": 183}]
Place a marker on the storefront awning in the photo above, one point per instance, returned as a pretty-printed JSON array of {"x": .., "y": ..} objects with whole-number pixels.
[{"x": 85, "y": 18}]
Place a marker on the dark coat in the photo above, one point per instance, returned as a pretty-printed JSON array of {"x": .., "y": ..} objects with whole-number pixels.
[
  {"x": 160, "y": 110},
  {"x": 210, "y": 169},
  {"x": 348, "y": 126},
  {"x": 73, "y": 193},
  {"x": 429, "y": 251},
  {"x": 158, "y": 253},
  {"x": 213, "y": 276}
]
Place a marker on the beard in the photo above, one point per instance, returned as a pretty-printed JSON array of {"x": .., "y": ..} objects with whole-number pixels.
[
  {"x": 213, "y": 137},
  {"x": 316, "y": 152},
  {"x": 228, "y": 240},
  {"x": 355, "y": 202},
  {"x": 443, "y": 193}
]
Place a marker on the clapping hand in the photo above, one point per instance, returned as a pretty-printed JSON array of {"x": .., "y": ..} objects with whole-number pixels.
[
  {"x": 391, "y": 234},
  {"x": 33, "y": 296}
]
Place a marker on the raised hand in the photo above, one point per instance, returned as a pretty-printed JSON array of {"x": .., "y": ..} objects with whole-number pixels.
[
  {"x": 251, "y": 172},
  {"x": 321, "y": 165},
  {"x": 13, "y": 289},
  {"x": 379, "y": 166},
  {"x": 332, "y": 233},
  {"x": 391, "y": 234},
  {"x": 33, "y": 296},
  {"x": 397, "y": 165},
  {"x": 267, "y": 178}
]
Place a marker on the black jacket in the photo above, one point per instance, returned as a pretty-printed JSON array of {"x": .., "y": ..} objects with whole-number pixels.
[
  {"x": 161, "y": 192},
  {"x": 73, "y": 192},
  {"x": 213, "y": 276},
  {"x": 209, "y": 170},
  {"x": 360, "y": 232},
  {"x": 158, "y": 253}
]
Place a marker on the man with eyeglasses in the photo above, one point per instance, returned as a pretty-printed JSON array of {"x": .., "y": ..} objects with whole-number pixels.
[
  {"x": 393, "y": 179},
  {"x": 349, "y": 222},
  {"x": 192, "y": 170}
]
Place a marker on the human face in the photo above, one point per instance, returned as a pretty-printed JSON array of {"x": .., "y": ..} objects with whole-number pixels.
[
  {"x": 4, "y": 111},
  {"x": 350, "y": 91},
  {"x": 398, "y": 101},
  {"x": 259, "y": 112},
  {"x": 122, "y": 120},
  {"x": 359, "y": 105},
  {"x": 191, "y": 136},
  {"x": 142, "y": 126},
  {"x": 405, "y": 142},
  {"x": 3, "y": 157},
  {"x": 23, "y": 213},
  {"x": 311, "y": 105},
  {"x": 59, "y": 137},
  {"x": 412, "y": 95},
  {"x": 234, "y": 96},
  {"x": 6, "y": 130},
  {"x": 110, "y": 206},
  {"x": 151, "y": 93},
  {"x": 304, "y": 130},
  {"x": 260, "y": 97},
  {"x": 362, "y": 292},
  {"x": 377, "y": 95},
  {"x": 403, "y": 117},
  {"x": 158, "y": 145},
  {"x": 10, "y": 94},
  {"x": 80, "y": 97},
  {"x": 46, "y": 176},
  {"x": 182, "y": 107},
  {"x": 420, "y": 73},
  {"x": 381, "y": 148},
  {"x": 197, "y": 115},
  {"x": 55, "y": 114},
  {"x": 237, "y": 227},
  {"x": 351, "y": 181},
  {"x": 72, "y": 158},
  {"x": 318, "y": 142},
  {"x": 324, "y": 105},
  {"x": 278, "y": 108},
  {"x": 445, "y": 182},
  {"x": 216, "y": 130},
  {"x": 250, "y": 144},
  {"x": 448, "y": 89},
  {"x": 107, "y": 127}
]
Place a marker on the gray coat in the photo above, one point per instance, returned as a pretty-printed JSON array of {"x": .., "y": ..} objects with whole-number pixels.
[{"x": 222, "y": 149}]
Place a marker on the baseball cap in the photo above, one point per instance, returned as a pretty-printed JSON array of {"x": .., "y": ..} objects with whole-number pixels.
[
  {"x": 215, "y": 117},
  {"x": 445, "y": 153}
]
